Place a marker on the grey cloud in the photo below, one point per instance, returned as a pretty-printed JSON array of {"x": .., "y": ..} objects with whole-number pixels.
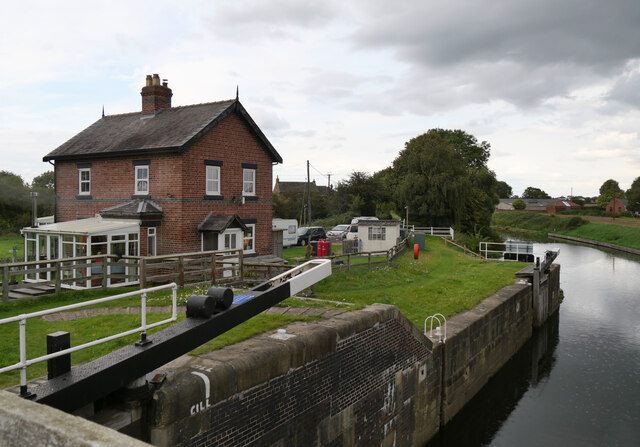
[
  {"x": 522, "y": 52},
  {"x": 626, "y": 90},
  {"x": 243, "y": 20}
]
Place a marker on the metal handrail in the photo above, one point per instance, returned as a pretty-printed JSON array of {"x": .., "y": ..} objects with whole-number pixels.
[
  {"x": 22, "y": 320},
  {"x": 440, "y": 322},
  {"x": 485, "y": 248}
]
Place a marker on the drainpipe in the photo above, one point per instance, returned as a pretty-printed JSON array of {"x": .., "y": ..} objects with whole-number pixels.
[{"x": 34, "y": 201}]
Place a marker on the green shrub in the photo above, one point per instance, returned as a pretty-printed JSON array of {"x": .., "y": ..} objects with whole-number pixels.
[
  {"x": 519, "y": 204},
  {"x": 574, "y": 222}
]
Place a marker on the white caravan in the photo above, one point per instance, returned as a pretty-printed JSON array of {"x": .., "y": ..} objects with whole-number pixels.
[{"x": 290, "y": 233}]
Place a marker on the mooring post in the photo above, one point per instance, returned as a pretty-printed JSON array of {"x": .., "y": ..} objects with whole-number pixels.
[
  {"x": 5, "y": 283},
  {"x": 56, "y": 342}
]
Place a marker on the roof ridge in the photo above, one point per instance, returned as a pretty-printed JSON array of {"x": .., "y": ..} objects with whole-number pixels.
[{"x": 173, "y": 107}]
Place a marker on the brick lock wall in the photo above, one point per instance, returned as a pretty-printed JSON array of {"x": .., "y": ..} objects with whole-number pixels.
[{"x": 177, "y": 185}]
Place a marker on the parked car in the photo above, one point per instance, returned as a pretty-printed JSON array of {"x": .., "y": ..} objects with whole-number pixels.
[
  {"x": 308, "y": 234},
  {"x": 352, "y": 232},
  {"x": 339, "y": 231}
]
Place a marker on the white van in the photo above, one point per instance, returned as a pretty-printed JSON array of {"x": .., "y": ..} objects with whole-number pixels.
[{"x": 290, "y": 233}]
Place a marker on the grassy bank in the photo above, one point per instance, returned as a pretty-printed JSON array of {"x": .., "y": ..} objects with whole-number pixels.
[
  {"x": 574, "y": 226},
  {"x": 7, "y": 242},
  {"x": 442, "y": 280}
]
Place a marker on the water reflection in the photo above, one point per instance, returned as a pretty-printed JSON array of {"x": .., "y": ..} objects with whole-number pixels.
[
  {"x": 478, "y": 422},
  {"x": 586, "y": 390}
]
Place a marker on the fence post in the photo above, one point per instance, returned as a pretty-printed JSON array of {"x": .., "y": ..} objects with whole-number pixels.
[
  {"x": 213, "y": 270},
  {"x": 143, "y": 273},
  {"x": 58, "y": 274},
  {"x": 369, "y": 260},
  {"x": 349, "y": 262},
  {"x": 241, "y": 266},
  {"x": 5, "y": 283},
  {"x": 180, "y": 272},
  {"x": 105, "y": 265}
]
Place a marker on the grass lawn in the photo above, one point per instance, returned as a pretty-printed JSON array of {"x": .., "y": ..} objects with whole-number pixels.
[
  {"x": 442, "y": 280},
  {"x": 7, "y": 242},
  {"x": 612, "y": 233}
]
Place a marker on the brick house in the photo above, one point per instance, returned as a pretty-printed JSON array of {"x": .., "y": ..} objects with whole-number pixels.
[
  {"x": 617, "y": 206},
  {"x": 562, "y": 205},
  {"x": 176, "y": 179}
]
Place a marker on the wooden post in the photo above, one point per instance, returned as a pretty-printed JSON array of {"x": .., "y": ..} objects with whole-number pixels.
[
  {"x": 58, "y": 274},
  {"x": 105, "y": 265},
  {"x": 349, "y": 262},
  {"x": 142, "y": 274},
  {"x": 241, "y": 266},
  {"x": 369, "y": 256},
  {"x": 180, "y": 272},
  {"x": 5, "y": 283},
  {"x": 213, "y": 270}
]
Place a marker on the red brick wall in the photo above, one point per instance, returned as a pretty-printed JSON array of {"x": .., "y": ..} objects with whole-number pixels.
[{"x": 177, "y": 184}]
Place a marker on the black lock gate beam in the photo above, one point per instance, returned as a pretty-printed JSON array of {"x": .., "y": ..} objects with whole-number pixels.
[{"x": 91, "y": 381}]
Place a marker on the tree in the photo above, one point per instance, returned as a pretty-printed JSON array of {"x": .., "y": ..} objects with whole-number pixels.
[
  {"x": 46, "y": 180},
  {"x": 358, "y": 194},
  {"x": 519, "y": 204},
  {"x": 633, "y": 196},
  {"x": 534, "y": 193},
  {"x": 474, "y": 154},
  {"x": 608, "y": 190},
  {"x": 442, "y": 185},
  {"x": 15, "y": 204},
  {"x": 503, "y": 190}
]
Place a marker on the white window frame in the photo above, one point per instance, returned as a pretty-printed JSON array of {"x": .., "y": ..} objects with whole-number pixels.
[
  {"x": 138, "y": 179},
  {"x": 82, "y": 182},
  {"x": 210, "y": 179},
  {"x": 246, "y": 183},
  {"x": 252, "y": 238},
  {"x": 151, "y": 237},
  {"x": 377, "y": 234}
]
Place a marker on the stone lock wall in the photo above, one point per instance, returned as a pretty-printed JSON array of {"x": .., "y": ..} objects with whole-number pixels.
[{"x": 361, "y": 378}]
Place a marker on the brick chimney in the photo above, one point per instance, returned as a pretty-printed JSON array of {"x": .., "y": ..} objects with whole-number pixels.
[{"x": 155, "y": 96}]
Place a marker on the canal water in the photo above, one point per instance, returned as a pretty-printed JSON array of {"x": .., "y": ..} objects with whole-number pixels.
[{"x": 577, "y": 381}]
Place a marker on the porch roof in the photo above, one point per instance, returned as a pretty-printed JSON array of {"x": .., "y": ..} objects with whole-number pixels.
[{"x": 92, "y": 225}]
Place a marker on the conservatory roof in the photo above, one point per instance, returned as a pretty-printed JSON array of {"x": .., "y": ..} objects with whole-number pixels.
[{"x": 92, "y": 225}]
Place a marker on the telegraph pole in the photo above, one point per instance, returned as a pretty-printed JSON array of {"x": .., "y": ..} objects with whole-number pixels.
[{"x": 308, "y": 195}]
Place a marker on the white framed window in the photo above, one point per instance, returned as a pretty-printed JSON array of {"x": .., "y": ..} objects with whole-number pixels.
[
  {"x": 230, "y": 241},
  {"x": 151, "y": 241},
  {"x": 377, "y": 233},
  {"x": 142, "y": 180},
  {"x": 84, "y": 181},
  {"x": 249, "y": 244},
  {"x": 248, "y": 182},
  {"x": 213, "y": 180}
]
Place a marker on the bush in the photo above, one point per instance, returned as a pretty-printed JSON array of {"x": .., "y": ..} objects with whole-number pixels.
[
  {"x": 519, "y": 204},
  {"x": 574, "y": 223}
]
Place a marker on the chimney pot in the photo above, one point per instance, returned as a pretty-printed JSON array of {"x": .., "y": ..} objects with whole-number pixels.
[{"x": 155, "y": 96}]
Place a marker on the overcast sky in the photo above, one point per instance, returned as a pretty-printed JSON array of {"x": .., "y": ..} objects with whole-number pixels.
[{"x": 552, "y": 85}]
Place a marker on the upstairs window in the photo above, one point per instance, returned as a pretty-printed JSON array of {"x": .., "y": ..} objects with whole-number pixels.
[
  {"x": 84, "y": 181},
  {"x": 142, "y": 180},
  {"x": 213, "y": 180},
  {"x": 248, "y": 182}
]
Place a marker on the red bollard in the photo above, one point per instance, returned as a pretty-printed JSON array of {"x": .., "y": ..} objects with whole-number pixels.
[{"x": 416, "y": 251}]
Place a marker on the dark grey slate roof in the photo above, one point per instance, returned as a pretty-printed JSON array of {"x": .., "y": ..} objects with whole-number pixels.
[
  {"x": 220, "y": 222},
  {"x": 378, "y": 223},
  {"x": 169, "y": 130},
  {"x": 134, "y": 209}
]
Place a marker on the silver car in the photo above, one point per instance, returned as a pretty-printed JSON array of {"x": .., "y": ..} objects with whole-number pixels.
[{"x": 338, "y": 232}]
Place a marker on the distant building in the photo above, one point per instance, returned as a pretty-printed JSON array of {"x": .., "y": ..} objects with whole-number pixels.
[
  {"x": 619, "y": 205},
  {"x": 532, "y": 205},
  {"x": 562, "y": 205},
  {"x": 291, "y": 187}
]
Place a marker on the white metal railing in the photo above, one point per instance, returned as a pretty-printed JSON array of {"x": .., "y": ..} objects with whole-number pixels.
[
  {"x": 22, "y": 320},
  {"x": 439, "y": 332},
  {"x": 436, "y": 231},
  {"x": 512, "y": 247}
]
